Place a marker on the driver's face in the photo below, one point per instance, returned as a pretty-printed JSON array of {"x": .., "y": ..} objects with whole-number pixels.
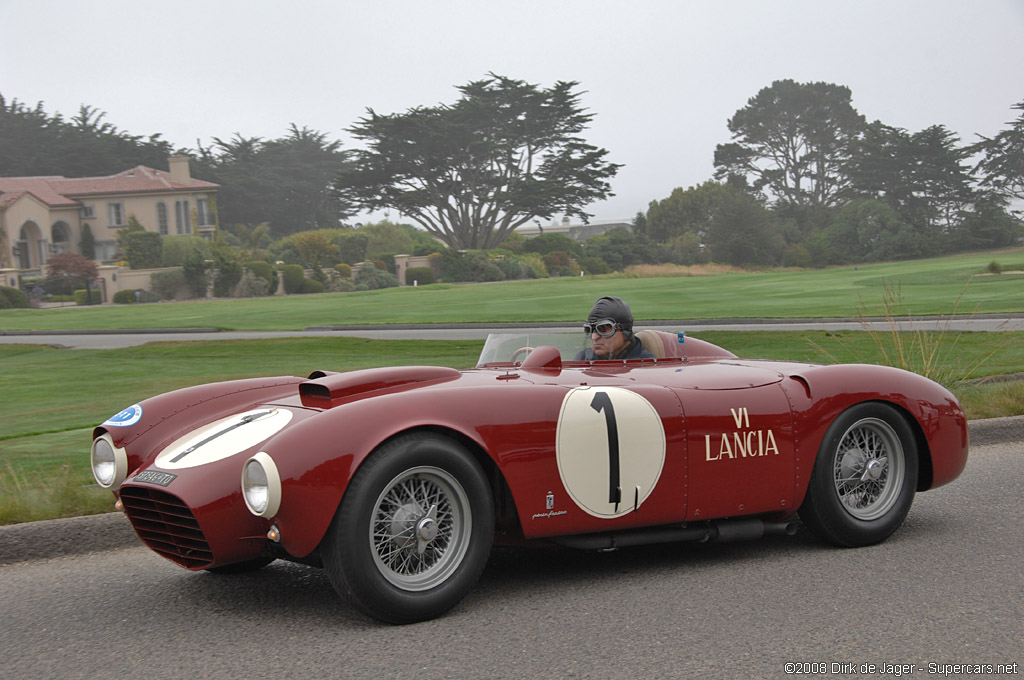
[{"x": 608, "y": 347}]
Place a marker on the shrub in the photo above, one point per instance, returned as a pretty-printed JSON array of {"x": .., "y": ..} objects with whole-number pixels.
[
  {"x": 13, "y": 297},
  {"x": 994, "y": 267},
  {"x": 293, "y": 278},
  {"x": 168, "y": 285},
  {"x": 176, "y": 249},
  {"x": 484, "y": 269},
  {"x": 142, "y": 249},
  {"x": 336, "y": 283},
  {"x": 556, "y": 259},
  {"x": 127, "y": 297},
  {"x": 344, "y": 270},
  {"x": 510, "y": 268},
  {"x": 4, "y": 302},
  {"x": 229, "y": 271},
  {"x": 423, "y": 275},
  {"x": 426, "y": 248},
  {"x": 535, "y": 263},
  {"x": 194, "y": 270},
  {"x": 312, "y": 286},
  {"x": 82, "y": 298},
  {"x": 374, "y": 278},
  {"x": 546, "y": 243},
  {"x": 251, "y": 285},
  {"x": 265, "y": 271},
  {"x": 594, "y": 265}
]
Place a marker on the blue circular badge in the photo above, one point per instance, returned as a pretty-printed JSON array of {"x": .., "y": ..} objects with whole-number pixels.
[{"x": 126, "y": 418}]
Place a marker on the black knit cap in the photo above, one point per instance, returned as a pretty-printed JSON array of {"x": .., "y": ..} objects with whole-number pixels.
[{"x": 610, "y": 307}]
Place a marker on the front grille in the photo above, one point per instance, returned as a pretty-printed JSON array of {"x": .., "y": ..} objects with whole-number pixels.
[{"x": 167, "y": 526}]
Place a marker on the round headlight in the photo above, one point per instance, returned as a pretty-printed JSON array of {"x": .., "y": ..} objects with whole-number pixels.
[
  {"x": 109, "y": 463},
  {"x": 261, "y": 485}
]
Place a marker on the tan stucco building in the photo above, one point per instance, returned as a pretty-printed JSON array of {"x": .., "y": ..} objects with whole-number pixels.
[{"x": 40, "y": 216}]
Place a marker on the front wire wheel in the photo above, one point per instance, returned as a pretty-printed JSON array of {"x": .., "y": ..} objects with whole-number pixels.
[
  {"x": 864, "y": 477},
  {"x": 413, "y": 531},
  {"x": 868, "y": 469},
  {"x": 420, "y": 528}
]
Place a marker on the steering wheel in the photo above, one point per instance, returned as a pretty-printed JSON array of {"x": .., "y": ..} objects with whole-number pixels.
[{"x": 521, "y": 350}]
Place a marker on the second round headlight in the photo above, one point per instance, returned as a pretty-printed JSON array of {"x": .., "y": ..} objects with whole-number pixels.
[{"x": 261, "y": 485}]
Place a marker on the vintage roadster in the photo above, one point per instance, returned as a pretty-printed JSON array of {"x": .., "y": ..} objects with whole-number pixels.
[{"x": 398, "y": 480}]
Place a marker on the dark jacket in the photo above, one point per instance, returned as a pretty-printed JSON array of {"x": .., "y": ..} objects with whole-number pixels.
[{"x": 634, "y": 350}]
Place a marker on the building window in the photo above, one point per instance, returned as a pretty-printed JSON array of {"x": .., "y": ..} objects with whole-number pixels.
[
  {"x": 161, "y": 218},
  {"x": 203, "y": 212},
  {"x": 116, "y": 213},
  {"x": 106, "y": 251},
  {"x": 87, "y": 212},
  {"x": 182, "y": 217}
]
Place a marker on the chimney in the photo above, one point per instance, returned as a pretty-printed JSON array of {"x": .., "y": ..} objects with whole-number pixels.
[{"x": 179, "y": 169}]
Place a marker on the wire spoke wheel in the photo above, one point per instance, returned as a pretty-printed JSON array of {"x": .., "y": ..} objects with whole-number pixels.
[
  {"x": 864, "y": 476},
  {"x": 868, "y": 469},
  {"x": 420, "y": 528}
]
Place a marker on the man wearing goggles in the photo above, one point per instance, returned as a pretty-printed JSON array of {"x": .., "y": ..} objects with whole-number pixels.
[{"x": 610, "y": 328}]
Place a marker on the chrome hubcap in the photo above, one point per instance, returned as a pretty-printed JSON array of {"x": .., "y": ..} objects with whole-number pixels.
[
  {"x": 420, "y": 528},
  {"x": 868, "y": 469}
]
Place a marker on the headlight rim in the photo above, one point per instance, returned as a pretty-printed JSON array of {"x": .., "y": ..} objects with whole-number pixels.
[
  {"x": 120, "y": 463},
  {"x": 273, "y": 477}
]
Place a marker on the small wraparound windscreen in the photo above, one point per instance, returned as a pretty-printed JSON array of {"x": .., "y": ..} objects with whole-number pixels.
[{"x": 515, "y": 347}]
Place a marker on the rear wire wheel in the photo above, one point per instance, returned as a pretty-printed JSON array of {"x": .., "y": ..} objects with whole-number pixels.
[
  {"x": 413, "y": 531},
  {"x": 864, "y": 477}
]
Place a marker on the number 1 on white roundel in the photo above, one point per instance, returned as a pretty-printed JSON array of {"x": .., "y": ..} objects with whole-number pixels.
[{"x": 610, "y": 448}]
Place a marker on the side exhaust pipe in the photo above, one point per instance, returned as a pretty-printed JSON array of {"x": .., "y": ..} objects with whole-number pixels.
[{"x": 720, "y": 531}]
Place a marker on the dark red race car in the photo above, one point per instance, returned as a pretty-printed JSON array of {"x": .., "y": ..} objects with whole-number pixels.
[{"x": 398, "y": 480}]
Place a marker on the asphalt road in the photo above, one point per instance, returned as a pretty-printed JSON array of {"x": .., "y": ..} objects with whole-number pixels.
[
  {"x": 131, "y": 338},
  {"x": 947, "y": 588}
]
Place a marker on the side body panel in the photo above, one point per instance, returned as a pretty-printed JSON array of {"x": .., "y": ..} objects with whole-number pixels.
[{"x": 513, "y": 420}]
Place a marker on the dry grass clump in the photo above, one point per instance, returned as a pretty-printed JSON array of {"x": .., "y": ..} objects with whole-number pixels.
[
  {"x": 646, "y": 271},
  {"x": 991, "y": 400},
  {"x": 32, "y": 496},
  {"x": 933, "y": 354}
]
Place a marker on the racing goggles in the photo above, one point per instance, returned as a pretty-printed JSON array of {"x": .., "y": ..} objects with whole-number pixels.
[{"x": 605, "y": 328}]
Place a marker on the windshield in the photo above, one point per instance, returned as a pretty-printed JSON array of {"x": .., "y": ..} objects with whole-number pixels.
[{"x": 515, "y": 347}]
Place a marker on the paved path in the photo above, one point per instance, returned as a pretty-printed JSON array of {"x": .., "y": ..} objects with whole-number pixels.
[
  {"x": 131, "y": 338},
  {"x": 947, "y": 588}
]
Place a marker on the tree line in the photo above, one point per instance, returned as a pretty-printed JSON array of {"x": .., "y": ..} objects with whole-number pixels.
[{"x": 804, "y": 180}]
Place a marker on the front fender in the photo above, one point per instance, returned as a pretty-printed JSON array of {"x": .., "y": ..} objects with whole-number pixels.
[
  {"x": 820, "y": 394},
  {"x": 317, "y": 457}
]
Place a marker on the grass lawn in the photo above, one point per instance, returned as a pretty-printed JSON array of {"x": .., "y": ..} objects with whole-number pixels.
[
  {"x": 930, "y": 286},
  {"x": 53, "y": 398}
]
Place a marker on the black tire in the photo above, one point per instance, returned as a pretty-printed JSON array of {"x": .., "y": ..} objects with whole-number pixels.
[
  {"x": 413, "y": 531},
  {"x": 242, "y": 567},
  {"x": 864, "y": 477}
]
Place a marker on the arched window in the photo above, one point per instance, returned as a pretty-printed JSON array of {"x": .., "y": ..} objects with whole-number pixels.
[
  {"x": 161, "y": 218},
  {"x": 182, "y": 217},
  {"x": 60, "y": 237}
]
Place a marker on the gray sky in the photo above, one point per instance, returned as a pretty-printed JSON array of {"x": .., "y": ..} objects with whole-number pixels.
[{"x": 663, "y": 77}]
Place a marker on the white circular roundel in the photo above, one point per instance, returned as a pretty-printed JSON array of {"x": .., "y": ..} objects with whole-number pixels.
[{"x": 610, "y": 447}]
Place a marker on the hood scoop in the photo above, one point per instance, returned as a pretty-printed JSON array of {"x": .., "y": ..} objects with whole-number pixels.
[{"x": 324, "y": 390}]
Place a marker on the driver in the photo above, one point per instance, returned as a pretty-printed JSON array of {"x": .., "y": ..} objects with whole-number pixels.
[{"x": 610, "y": 327}]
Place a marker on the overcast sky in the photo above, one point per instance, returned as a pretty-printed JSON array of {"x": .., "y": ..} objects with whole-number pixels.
[{"x": 663, "y": 77}]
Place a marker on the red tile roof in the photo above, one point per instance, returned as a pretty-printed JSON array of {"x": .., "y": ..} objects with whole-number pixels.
[{"x": 62, "y": 191}]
